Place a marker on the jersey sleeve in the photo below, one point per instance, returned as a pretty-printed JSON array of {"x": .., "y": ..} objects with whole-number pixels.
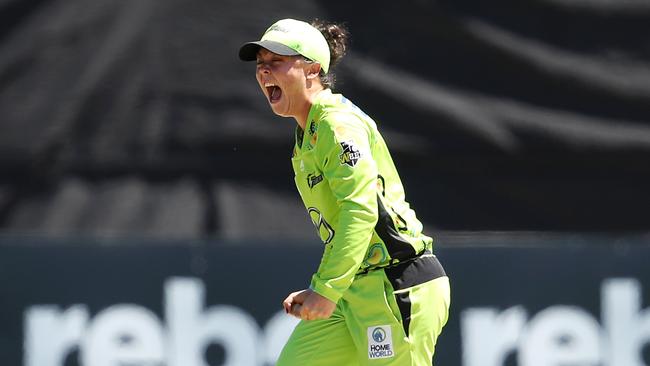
[{"x": 344, "y": 150}]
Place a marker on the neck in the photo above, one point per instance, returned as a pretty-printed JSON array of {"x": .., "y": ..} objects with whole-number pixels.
[{"x": 301, "y": 118}]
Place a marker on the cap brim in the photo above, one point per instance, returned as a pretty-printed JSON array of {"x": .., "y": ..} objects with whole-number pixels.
[{"x": 248, "y": 52}]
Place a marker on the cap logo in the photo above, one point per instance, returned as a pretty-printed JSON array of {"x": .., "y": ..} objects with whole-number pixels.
[{"x": 277, "y": 28}]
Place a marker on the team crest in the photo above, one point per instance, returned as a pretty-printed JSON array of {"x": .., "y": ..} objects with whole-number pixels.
[
  {"x": 313, "y": 127},
  {"x": 350, "y": 154}
]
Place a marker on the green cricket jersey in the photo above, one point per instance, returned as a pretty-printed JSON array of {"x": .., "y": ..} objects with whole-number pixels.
[{"x": 353, "y": 194}]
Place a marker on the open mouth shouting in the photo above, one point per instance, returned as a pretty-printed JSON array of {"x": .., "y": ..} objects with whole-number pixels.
[{"x": 273, "y": 92}]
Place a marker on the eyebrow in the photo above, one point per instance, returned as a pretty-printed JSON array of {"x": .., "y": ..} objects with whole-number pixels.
[{"x": 274, "y": 57}]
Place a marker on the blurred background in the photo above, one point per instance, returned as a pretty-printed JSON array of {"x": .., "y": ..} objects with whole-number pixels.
[{"x": 148, "y": 214}]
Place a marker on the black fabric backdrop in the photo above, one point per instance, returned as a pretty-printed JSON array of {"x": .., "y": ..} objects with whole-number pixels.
[{"x": 505, "y": 115}]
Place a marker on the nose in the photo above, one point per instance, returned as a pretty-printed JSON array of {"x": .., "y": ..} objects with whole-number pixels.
[{"x": 263, "y": 69}]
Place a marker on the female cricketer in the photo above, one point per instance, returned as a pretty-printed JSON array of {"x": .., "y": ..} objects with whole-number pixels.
[{"x": 379, "y": 296}]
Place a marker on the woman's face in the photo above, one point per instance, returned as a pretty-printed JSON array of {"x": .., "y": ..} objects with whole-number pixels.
[{"x": 283, "y": 80}]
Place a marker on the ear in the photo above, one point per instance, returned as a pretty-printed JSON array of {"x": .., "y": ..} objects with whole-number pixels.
[{"x": 313, "y": 71}]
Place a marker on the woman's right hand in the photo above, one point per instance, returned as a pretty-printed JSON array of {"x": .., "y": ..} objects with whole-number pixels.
[
  {"x": 293, "y": 303},
  {"x": 308, "y": 305}
]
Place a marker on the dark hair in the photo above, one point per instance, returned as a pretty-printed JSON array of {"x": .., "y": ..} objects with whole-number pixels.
[{"x": 337, "y": 37}]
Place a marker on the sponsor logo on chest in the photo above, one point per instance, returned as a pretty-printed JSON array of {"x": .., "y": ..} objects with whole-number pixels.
[{"x": 313, "y": 180}]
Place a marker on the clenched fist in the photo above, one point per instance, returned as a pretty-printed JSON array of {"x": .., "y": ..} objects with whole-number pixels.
[{"x": 308, "y": 305}]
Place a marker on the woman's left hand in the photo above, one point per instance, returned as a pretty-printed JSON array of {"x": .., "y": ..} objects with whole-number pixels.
[{"x": 314, "y": 306}]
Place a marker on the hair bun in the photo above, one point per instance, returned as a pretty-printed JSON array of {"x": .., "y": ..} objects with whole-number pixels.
[{"x": 337, "y": 38}]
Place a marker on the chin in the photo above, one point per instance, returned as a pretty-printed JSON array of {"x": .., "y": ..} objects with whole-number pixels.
[{"x": 279, "y": 112}]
